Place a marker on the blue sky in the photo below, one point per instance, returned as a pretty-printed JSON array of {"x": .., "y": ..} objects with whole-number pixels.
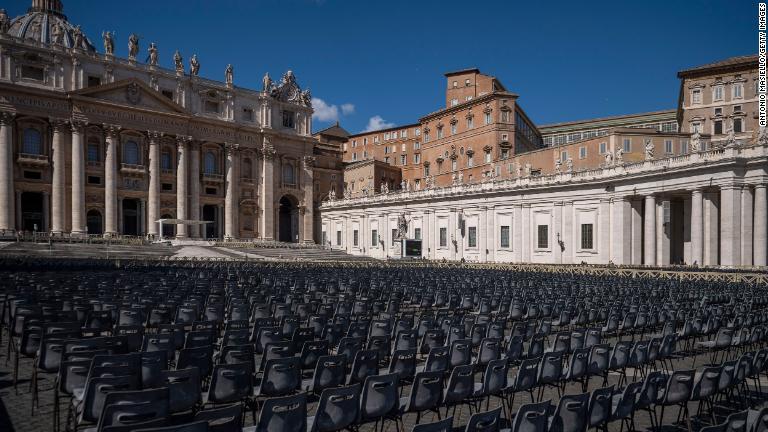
[{"x": 380, "y": 63}]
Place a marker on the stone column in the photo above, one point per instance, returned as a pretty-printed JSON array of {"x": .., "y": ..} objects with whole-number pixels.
[
  {"x": 711, "y": 228},
  {"x": 528, "y": 232},
  {"x": 267, "y": 189},
  {"x": 230, "y": 198},
  {"x": 59, "y": 180},
  {"x": 761, "y": 226},
  {"x": 78, "y": 179},
  {"x": 604, "y": 230},
  {"x": 663, "y": 234},
  {"x": 637, "y": 232},
  {"x": 6, "y": 173},
  {"x": 194, "y": 188},
  {"x": 730, "y": 225},
  {"x": 181, "y": 186},
  {"x": 747, "y": 228},
  {"x": 621, "y": 231},
  {"x": 649, "y": 223},
  {"x": 153, "y": 212},
  {"x": 517, "y": 237},
  {"x": 110, "y": 181},
  {"x": 482, "y": 233},
  {"x": 567, "y": 234},
  {"x": 309, "y": 202},
  {"x": 697, "y": 227},
  {"x": 19, "y": 217}
]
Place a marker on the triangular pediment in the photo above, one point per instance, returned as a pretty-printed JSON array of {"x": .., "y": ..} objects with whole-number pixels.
[{"x": 132, "y": 93}]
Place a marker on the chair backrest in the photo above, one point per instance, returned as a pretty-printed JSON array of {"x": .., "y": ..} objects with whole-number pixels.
[
  {"x": 653, "y": 382},
  {"x": 488, "y": 421},
  {"x": 495, "y": 377},
  {"x": 600, "y": 406},
  {"x": 437, "y": 359},
  {"x": 706, "y": 383},
  {"x": 403, "y": 363},
  {"x": 225, "y": 419},
  {"x": 626, "y": 404},
  {"x": 184, "y": 386},
  {"x": 130, "y": 407},
  {"x": 338, "y": 408},
  {"x": 737, "y": 422},
  {"x": 490, "y": 349},
  {"x": 571, "y": 414},
  {"x": 758, "y": 420},
  {"x": 72, "y": 375},
  {"x": 579, "y": 363},
  {"x": 230, "y": 383},
  {"x": 461, "y": 384},
  {"x": 532, "y": 417},
  {"x": 444, "y": 425},
  {"x": 527, "y": 374},
  {"x": 379, "y": 397},
  {"x": 96, "y": 389},
  {"x": 152, "y": 365},
  {"x": 514, "y": 348},
  {"x": 460, "y": 352},
  {"x": 426, "y": 391},
  {"x": 281, "y": 377},
  {"x": 329, "y": 372},
  {"x": 366, "y": 363},
  {"x": 551, "y": 367},
  {"x": 200, "y": 357},
  {"x": 679, "y": 387},
  {"x": 197, "y": 426}
]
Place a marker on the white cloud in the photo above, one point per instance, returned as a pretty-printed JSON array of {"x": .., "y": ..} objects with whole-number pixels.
[
  {"x": 377, "y": 123},
  {"x": 325, "y": 112},
  {"x": 347, "y": 109}
]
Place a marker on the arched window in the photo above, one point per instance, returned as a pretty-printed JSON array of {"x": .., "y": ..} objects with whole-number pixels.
[
  {"x": 288, "y": 177},
  {"x": 210, "y": 163},
  {"x": 33, "y": 142},
  {"x": 131, "y": 153},
  {"x": 166, "y": 161},
  {"x": 246, "y": 170}
]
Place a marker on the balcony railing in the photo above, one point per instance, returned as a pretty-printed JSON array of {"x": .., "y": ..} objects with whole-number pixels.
[
  {"x": 33, "y": 159},
  {"x": 214, "y": 178},
  {"x": 132, "y": 168}
]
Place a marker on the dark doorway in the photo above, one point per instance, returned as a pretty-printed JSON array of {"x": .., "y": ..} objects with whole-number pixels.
[
  {"x": 210, "y": 214},
  {"x": 288, "y": 220},
  {"x": 677, "y": 224},
  {"x": 131, "y": 217},
  {"x": 32, "y": 217},
  {"x": 169, "y": 229},
  {"x": 93, "y": 221}
]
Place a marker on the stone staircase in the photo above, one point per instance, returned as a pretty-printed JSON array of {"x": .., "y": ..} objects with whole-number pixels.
[{"x": 296, "y": 254}]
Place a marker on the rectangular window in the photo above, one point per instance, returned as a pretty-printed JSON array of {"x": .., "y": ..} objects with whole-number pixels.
[
  {"x": 439, "y": 133},
  {"x": 324, "y": 239},
  {"x": 94, "y": 81},
  {"x": 94, "y": 180},
  {"x": 288, "y": 119},
  {"x": 417, "y": 233},
  {"x": 738, "y": 91},
  {"x": 695, "y": 127},
  {"x": 504, "y": 234},
  {"x": 211, "y": 107},
  {"x": 93, "y": 152},
  {"x": 374, "y": 238},
  {"x": 167, "y": 93},
  {"x": 32, "y": 72},
  {"x": 587, "y": 239},
  {"x": 426, "y": 171},
  {"x": 683, "y": 146},
  {"x": 696, "y": 96},
  {"x": 417, "y": 145},
  {"x": 582, "y": 152},
  {"x": 167, "y": 187},
  {"x": 394, "y": 236},
  {"x": 603, "y": 147},
  {"x": 718, "y": 93},
  {"x": 443, "y": 237},
  {"x": 718, "y": 127},
  {"x": 488, "y": 118},
  {"x": 542, "y": 240},
  {"x": 627, "y": 145},
  {"x": 403, "y": 160},
  {"x": 472, "y": 234},
  {"x": 505, "y": 116},
  {"x": 470, "y": 123},
  {"x": 470, "y": 161},
  {"x": 386, "y": 159},
  {"x": 454, "y": 102},
  {"x": 453, "y": 128},
  {"x": 247, "y": 114},
  {"x": 737, "y": 108},
  {"x": 668, "y": 146},
  {"x": 563, "y": 156},
  {"x": 338, "y": 238},
  {"x": 737, "y": 126},
  {"x": 354, "y": 238},
  {"x": 417, "y": 158}
]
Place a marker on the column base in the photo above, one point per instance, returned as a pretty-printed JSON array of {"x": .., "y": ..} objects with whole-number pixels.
[{"x": 110, "y": 235}]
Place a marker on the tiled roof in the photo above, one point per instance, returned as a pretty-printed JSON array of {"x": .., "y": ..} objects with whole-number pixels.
[{"x": 746, "y": 59}]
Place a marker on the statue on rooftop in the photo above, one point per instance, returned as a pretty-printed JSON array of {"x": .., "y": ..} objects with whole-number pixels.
[
  {"x": 109, "y": 43},
  {"x": 229, "y": 75},
  {"x": 133, "y": 46},
  {"x": 649, "y": 149},
  {"x": 194, "y": 65},
  {"x": 178, "y": 62},
  {"x": 153, "y": 54}
]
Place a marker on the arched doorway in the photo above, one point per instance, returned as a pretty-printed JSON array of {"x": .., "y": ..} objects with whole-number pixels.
[
  {"x": 32, "y": 217},
  {"x": 131, "y": 223},
  {"x": 94, "y": 222},
  {"x": 169, "y": 229},
  {"x": 288, "y": 220},
  {"x": 210, "y": 214}
]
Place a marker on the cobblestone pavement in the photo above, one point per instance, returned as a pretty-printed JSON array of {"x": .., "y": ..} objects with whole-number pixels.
[{"x": 16, "y": 414}]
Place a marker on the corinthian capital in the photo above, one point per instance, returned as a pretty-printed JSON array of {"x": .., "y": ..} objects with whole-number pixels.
[
  {"x": 6, "y": 118},
  {"x": 182, "y": 141},
  {"x": 154, "y": 136},
  {"x": 58, "y": 124},
  {"x": 78, "y": 126},
  {"x": 231, "y": 148},
  {"x": 111, "y": 131}
]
